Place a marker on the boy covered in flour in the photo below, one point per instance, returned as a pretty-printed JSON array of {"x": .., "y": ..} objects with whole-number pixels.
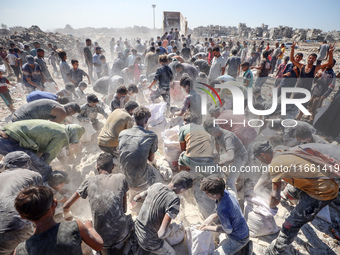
[
  {"x": 108, "y": 202},
  {"x": 160, "y": 206}
]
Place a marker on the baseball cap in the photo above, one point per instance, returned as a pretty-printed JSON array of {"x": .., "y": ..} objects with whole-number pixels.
[
  {"x": 16, "y": 158},
  {"x": 261, "y": 147},
  {"x": 30, "y": 59}
]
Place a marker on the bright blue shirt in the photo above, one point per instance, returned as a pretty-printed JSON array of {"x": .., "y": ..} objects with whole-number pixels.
[
  {"x": 36, "y": 95},
  {"x": 162, "y": 50},
  {"x": 34, "y": 52},
  {"x": 231, "y": 217}
]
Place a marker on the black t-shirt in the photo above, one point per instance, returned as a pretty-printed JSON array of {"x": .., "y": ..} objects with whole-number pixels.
[
  {"x": 88, "y": 54},
  {"x": 186, "y": 52}
]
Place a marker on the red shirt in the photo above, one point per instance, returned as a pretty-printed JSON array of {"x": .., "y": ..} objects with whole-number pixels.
[
  {"x": 210, "y": 57},
  {"x": 3, "y": 86},
  {"x": 3, "y": 54}
]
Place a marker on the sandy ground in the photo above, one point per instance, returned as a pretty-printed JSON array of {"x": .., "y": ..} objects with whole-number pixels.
[{"x": 314, "y": 238}]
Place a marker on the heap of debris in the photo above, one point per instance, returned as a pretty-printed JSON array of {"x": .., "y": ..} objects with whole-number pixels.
[{"x": 35, "y": 34}]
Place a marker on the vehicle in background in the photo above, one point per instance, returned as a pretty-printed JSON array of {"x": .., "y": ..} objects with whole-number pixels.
[
  {"x": 174, "y": 20},
  {"x": 287, "y": 45}
]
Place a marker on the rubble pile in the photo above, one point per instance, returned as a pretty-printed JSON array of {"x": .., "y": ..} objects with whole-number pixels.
[
  {"x": 274, "y": 33},
  {"x": 35, "y": 34}
]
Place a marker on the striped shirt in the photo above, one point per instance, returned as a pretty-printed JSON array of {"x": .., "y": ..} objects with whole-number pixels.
[{"x": 33, "y": 73}]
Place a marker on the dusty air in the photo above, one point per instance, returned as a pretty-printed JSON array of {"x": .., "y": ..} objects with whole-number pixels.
[{"x": 168, "y": 137}]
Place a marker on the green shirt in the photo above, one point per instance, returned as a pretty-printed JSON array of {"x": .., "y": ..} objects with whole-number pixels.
[
  {"x": 198, "y": 143},
  {"x": 248, "y": 75},
  {"x": 44, "y": 136}
]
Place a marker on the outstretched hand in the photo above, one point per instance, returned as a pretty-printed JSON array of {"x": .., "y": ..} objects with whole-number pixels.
[
  {"x": 293, "y": 45},
  {"x": 331, "y": 47}
]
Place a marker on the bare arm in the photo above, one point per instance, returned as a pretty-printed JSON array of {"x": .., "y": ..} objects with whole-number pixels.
[
  {"x": 183, "y": 145},
  {"x": 247, "y": 83},
  {"x": 163, "y": 229},
  {"x": 330, "y": 60},
  {"x": 70, "y": 202},
  {"x": 151, "y": 157},
  {"x": 29, "y": 80},
  {"x": 69, "y": 76},
  {"x": 90, "y": 235},
  {"x": 153, "y": 83},
  {"x": 179, "y": 113},
  {"x": 230, "y": 157},
  {"x": 223, "y": 70},
  {"x": 209, "y": 220},
  {"x": 256, "y": 67},
  {"x": 140, "y": 196},
  {"x": 292, "y": 56},
  {"x": 275, "y": 196}
]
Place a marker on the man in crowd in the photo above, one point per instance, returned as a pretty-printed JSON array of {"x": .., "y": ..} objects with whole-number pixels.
[
  {"x": 161, "y": 205},
  {"x": 45, "y": 109},
  {"x": 235, "y": 153},
  {"x": 312, "y": 190},
  {"x": 185, "y": 68},
  {"x": 263, "y": 69},
  {"x": 217, "y": 66},
  {"x": 88, "y": 53},
  {"x": 323, "y": 52},
  {"x": 37, "y": 95},
  {"x": 33, "y": 78},
  {"x": 192, "y": 102},
  {"x": 229, "y": 213},
  {"x": 307, "y": 72},
  {"x": 134, "y": 156},
  {"x": 42, "y": 138},
  {"x": 233, "y": 64},
  {"x": 16, "y": 177},
  {"x": 107, "y": 196},
  {"x": 118, "y": 120},
  {"x": 325, "y": 85},
  {"x": 41, "y": 61}
]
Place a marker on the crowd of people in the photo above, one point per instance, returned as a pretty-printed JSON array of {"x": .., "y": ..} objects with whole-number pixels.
[{"x": 52, "y": 123}]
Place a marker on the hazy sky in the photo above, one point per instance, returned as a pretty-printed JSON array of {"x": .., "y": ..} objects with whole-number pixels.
[{"x": 112, "y": 13}]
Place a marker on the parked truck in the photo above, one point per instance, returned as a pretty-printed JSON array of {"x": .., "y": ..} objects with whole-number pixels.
[{"x": 174, "y": 20}]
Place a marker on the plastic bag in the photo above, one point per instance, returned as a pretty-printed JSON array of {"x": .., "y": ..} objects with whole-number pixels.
[
  {"x": 259, "y": 218},
  {"x": 225, "y": 78},
  {"x": 171, "y": 146},
  {"x": 51, "y": 87},
  {"x": 158, "y": 128},
  {"x": 199, "y": 242},
  {"x": 157, "y": 113},
  {"x": 3, "y": 68},
  {"x": 164, "y": 168},
  {"x": 89, "y": 131},
  {"x": 176, "y": 235}
]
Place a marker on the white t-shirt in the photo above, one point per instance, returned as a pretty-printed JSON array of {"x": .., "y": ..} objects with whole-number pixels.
[
  {"x": 12, "y": 59},
  {"x": 244, "y": 54},
  {"x": 216, "y": 67}
]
